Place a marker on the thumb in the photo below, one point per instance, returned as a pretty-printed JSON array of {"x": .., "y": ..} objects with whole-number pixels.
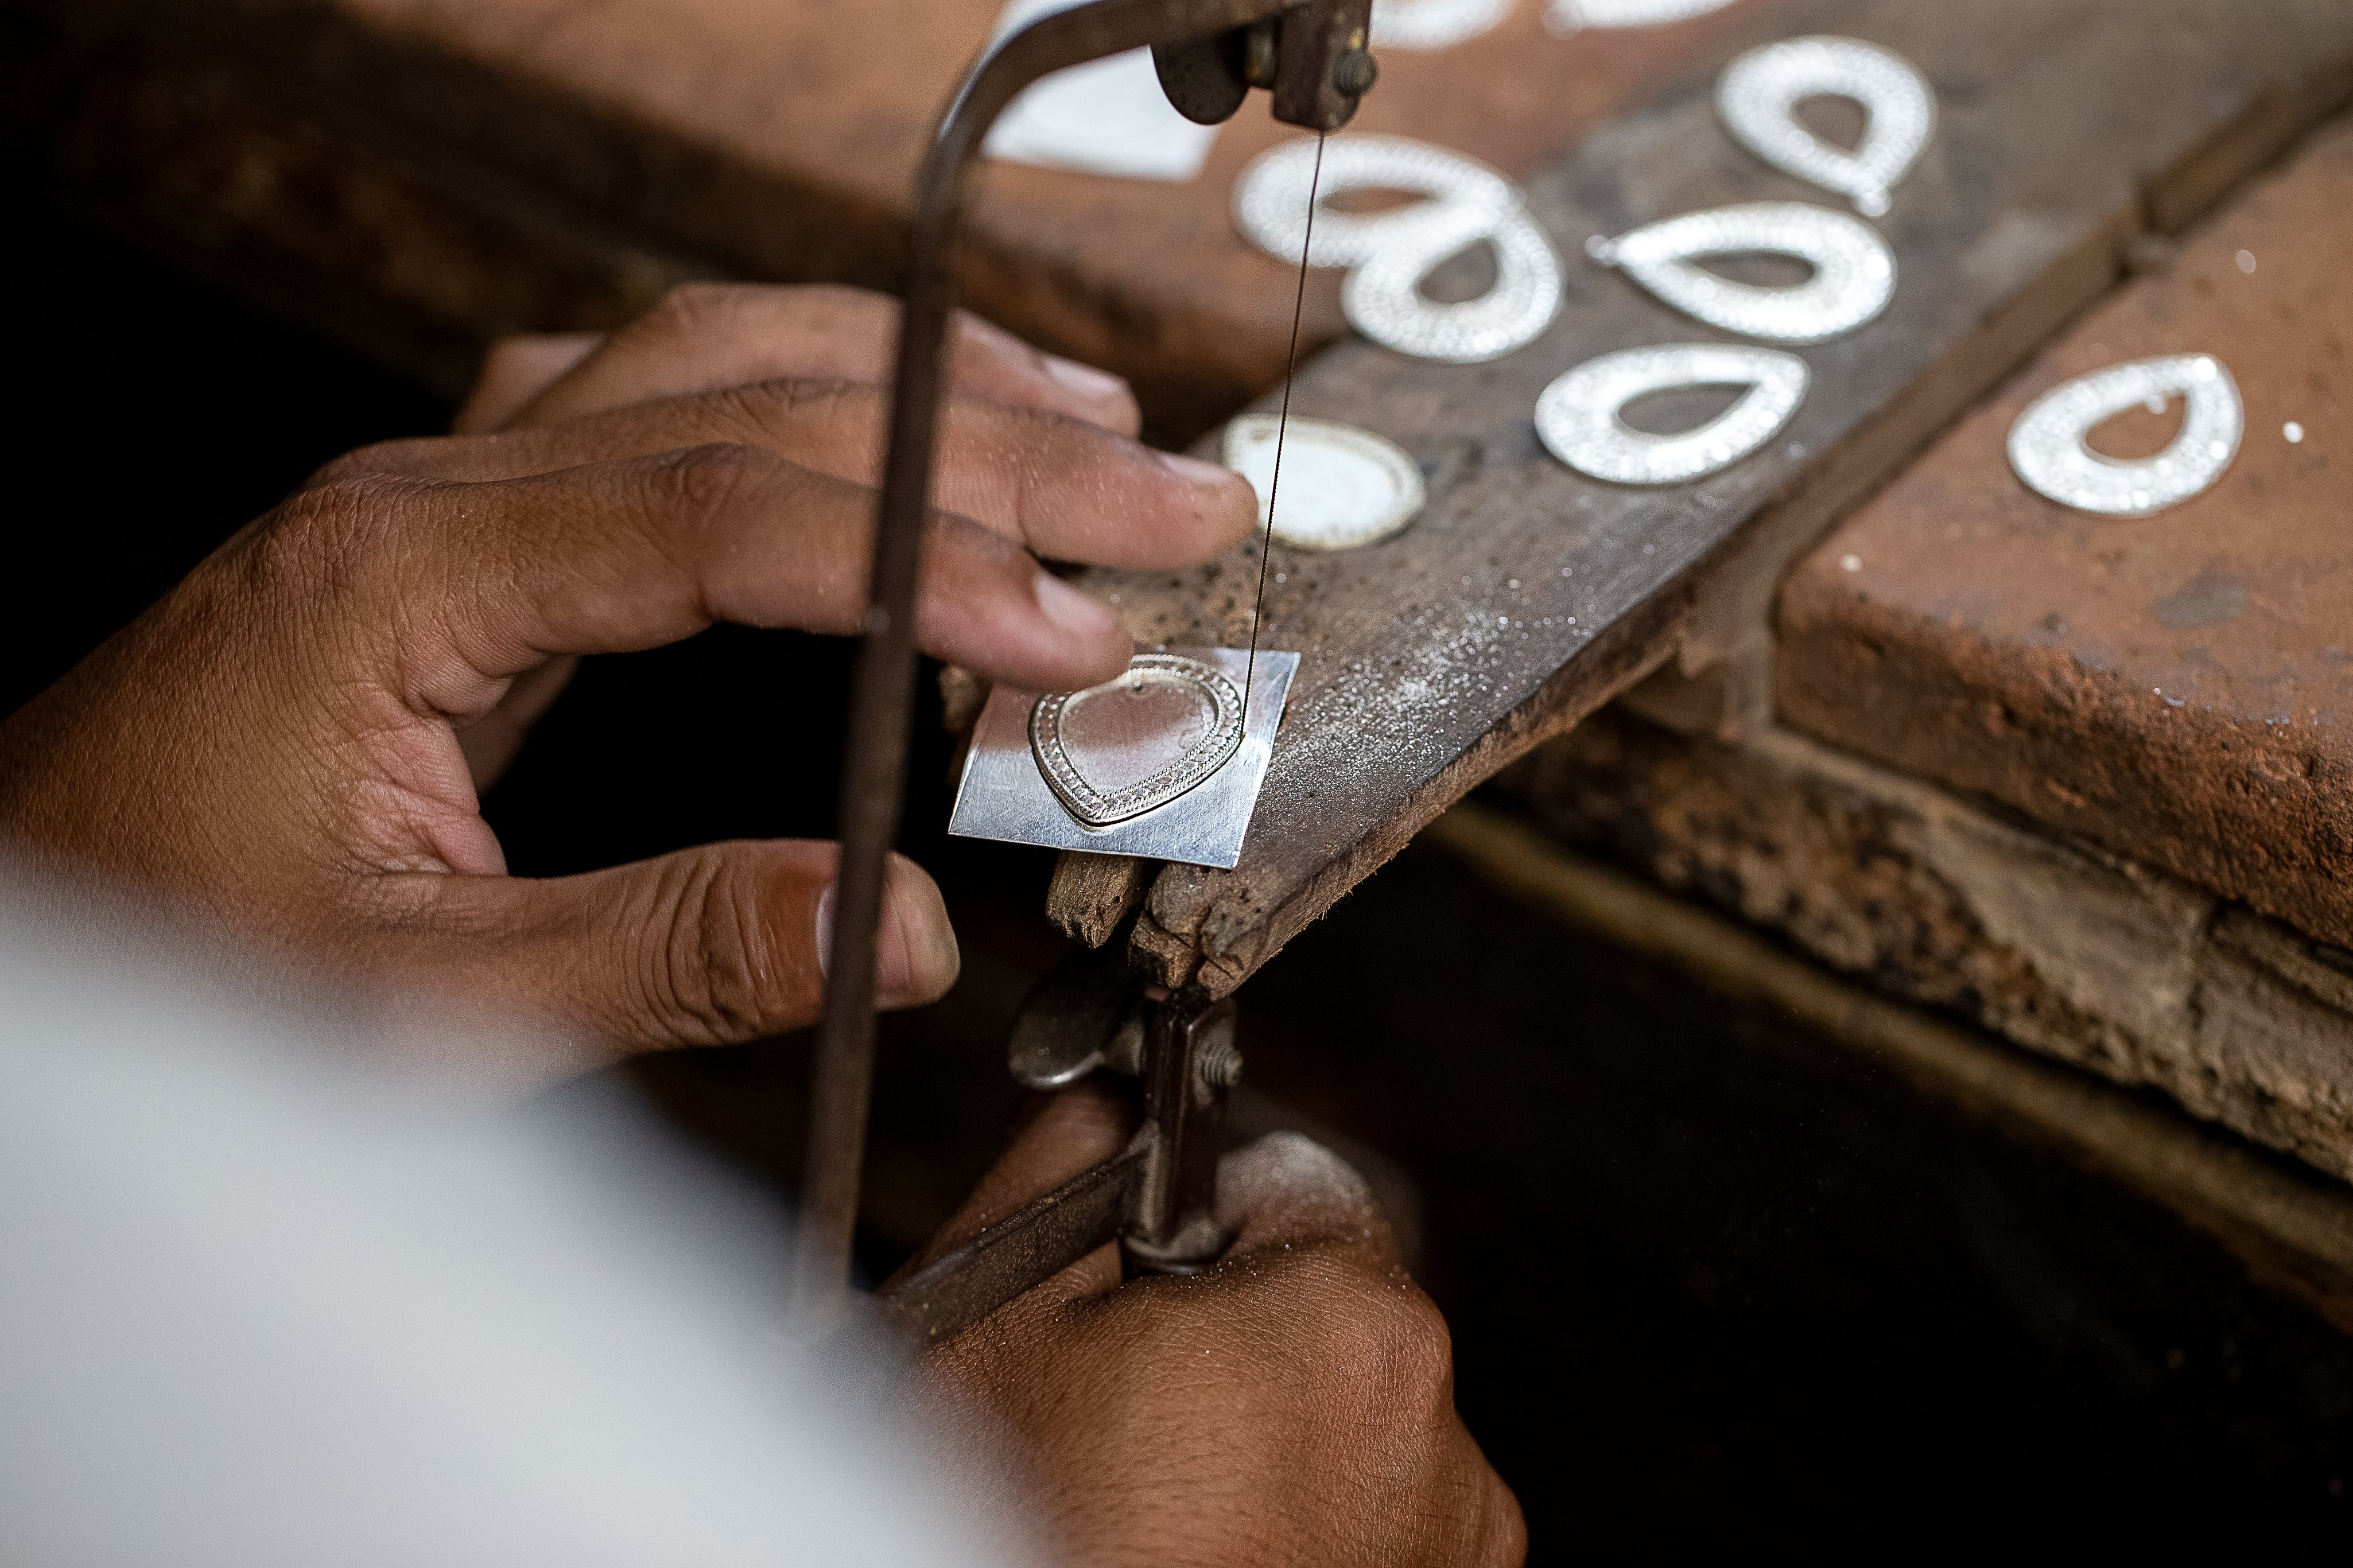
[
  {"x": 1287, "y": 1193},
  {"x": 710, "y": 946}
]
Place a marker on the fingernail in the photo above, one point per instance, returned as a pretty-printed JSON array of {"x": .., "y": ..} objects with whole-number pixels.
[
  {"x": 1085, "y": 380},
  {"x": 922, "y": 961},
  {"x": 824, "y": 930},
  {"x": 1194, "y": 471},
  {"x": 1077, "y": 614}
]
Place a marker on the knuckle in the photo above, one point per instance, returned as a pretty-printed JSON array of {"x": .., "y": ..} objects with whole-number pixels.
[
  {"x": 705, "y": 486},
  {"x": 693, "y": 309},
  {"x": 321, "y": 543},
  {"x": 1402, "y": 1332},
  {"x": 714, "y": 979}
]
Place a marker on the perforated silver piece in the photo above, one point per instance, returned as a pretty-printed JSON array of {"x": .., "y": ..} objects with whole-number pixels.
[
  {"x": 1759, "y": 95},
  {"x": 2048, "y": 450},
  {"x": 1393, "y": 252},
  {"x": 1580, "y": 416},
  {"x": 1567, "y": 16},
  {"x": 1854, "y": 272},
  {"x": 1433, "y": 24}
]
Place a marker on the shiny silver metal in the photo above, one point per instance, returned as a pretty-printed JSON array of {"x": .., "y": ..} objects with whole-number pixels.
[
  {"x": 1344, "y": 488},
  {"x": 2048, "y": 451},
  {"x": 1854, "y": 271},
  {"x": 1579, "y": 419},
  {"x": 1005, "y": 796},
  {"x": 1760, "y": 92}
]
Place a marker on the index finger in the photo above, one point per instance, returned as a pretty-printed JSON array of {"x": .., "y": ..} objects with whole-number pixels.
[{"x": 706, "y": 336}]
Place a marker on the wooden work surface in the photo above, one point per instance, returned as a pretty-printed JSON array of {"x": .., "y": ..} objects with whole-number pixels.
[
  {"x": 1527, "y": 595},
  {"x": 473, "y": 167},
  {"x": 2176, "y": 686}
]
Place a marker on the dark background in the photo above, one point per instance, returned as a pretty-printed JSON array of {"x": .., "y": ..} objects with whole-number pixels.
[{"x": 1716, "y": 1285}]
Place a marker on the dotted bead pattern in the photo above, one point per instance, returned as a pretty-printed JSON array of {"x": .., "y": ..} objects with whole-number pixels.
[
  {"x": 1578, "y": 417},
  {"x": 2047, "y": 448},
  {"x": 1854, "y": 272},
  {"x": 1433, "y": 24},
  {"x": 1393, "y": 252},
  {"x": 1097, "y": 808},
  {"x": 1758, "y": 94}
]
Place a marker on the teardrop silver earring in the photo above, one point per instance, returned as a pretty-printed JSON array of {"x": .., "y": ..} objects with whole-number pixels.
[
  {"x": 2048, "y": 451},
  {"x": 1854, "y": 272},
  {"x": 1393, "y": 252},
  {"x": 1580, "y": 421},
  {"x": 1759, "y": 95}
]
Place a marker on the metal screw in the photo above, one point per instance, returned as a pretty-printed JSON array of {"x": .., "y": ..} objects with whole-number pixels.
[
  {"x": 1355, "y": 71},
  {"x": 1221, "y": 1065}
]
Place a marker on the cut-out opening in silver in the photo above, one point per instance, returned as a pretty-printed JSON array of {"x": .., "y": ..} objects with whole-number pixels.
[
  {"x": 1580, "y": 416},
  {"x": 1853, "y": 271},
  {"x": 1758, "y": 97},
  {"x": 2049, "y": 450}
]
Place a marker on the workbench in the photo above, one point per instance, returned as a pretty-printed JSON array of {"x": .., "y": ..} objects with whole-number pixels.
[{"x": 2140, "y": 716}]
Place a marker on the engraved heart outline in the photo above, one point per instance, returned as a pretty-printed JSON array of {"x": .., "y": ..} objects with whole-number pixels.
[{"x": 1092, "y": 808}]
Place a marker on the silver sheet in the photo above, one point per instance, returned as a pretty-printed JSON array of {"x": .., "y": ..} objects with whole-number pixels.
[{"x": 1004, "y": 796}]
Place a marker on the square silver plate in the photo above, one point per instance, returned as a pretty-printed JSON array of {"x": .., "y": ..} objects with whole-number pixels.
[{"x": 1005, "y": 797}]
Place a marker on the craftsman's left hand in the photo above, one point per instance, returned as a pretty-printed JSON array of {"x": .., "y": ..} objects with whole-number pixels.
[
  {"x": 1294, "y": 1405},
  {"x": 274, "y": 748}
]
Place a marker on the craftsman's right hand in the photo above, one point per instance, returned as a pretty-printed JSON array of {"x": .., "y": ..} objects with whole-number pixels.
[
  {"x": 1294, "y": 1405},
  {"x": 274, "y": 747}
]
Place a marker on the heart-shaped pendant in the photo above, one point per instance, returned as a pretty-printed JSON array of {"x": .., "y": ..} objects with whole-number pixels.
[
  {"x": 1579, "y": 420},
  {"x": 1134, "y": 744},
  {"x": 2048, "y": 450},
  {"x": 1854, "y": 272},
  {"x": 1759, "y": 94}
]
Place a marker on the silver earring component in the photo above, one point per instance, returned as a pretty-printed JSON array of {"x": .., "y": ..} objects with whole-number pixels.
[
  {"x": 1271, "y": 198},
  {"x": 1341, "y": 487},
  {"x": 1470, "y": 205},
  {"x": 1158, "y": 730},
  {"x": 1433, "y": 24},
  {"x": 1565, "y": 17},
  {"x": 1382, "y": 298},
  {"x": 1580, "y": 416},
  {"x": 2048, "y": 451},
  {"x": 1759, "y": 93},
  {"x": 1854, "y": 272}
]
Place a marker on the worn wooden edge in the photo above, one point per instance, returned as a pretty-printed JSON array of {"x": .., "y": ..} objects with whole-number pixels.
[
  {"x": 1195, "y": 929},
  {"x": 2291, "y": 1228},
  {"x": 1634, "y": 645}
]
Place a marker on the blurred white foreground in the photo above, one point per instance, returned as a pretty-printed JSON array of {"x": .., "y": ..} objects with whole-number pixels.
[{"x": 255, "y": 1312}]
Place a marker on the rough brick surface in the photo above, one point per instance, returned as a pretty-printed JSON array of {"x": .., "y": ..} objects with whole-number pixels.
[{"x": 2176, "y": 686}]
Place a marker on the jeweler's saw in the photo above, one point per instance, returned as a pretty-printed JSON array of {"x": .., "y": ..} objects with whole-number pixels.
[{"x": 1157, "y": 1197}]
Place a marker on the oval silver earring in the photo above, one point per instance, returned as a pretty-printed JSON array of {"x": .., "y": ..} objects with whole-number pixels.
[
  {"x": 1394, "y": 251},
  {"x": 2048, "y": 451},
  {"x": 1580, "y": 416},
  {"x": 1854, "y": 272},
  {"x": 1759, "y": 95}
]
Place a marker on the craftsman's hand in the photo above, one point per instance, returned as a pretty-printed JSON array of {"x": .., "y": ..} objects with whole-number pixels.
[
  {"x": 1295, "y": 1405},
  {"x": 274, "y": 746}
]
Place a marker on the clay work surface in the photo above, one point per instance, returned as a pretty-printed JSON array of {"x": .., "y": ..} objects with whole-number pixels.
[
  {"x": 2176, "y": 686},
  {"x": 766, "y": 140},
  {"x": 1527, "y": 595}
]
